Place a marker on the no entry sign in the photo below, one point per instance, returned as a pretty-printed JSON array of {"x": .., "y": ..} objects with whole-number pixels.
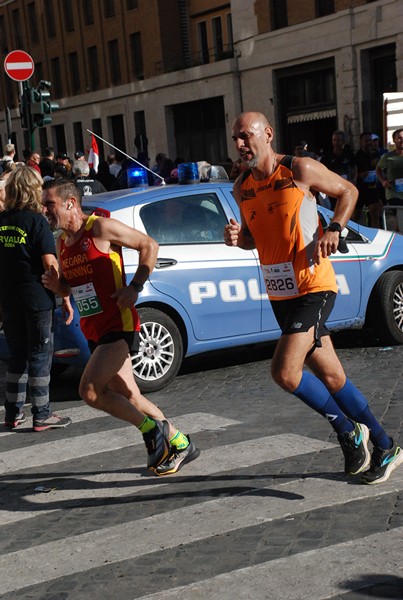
[{"x": 19, "y": 65}]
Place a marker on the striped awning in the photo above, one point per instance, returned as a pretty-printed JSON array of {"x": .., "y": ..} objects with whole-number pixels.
[{"x": 311, "y": 116}]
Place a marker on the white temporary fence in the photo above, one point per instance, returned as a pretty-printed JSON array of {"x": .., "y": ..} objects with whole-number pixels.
[{"x": 392, "y": 218}]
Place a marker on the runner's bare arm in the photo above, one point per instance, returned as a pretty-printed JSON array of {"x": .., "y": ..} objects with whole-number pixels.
[
  {"x": 311, "y": 174},
  {"x": 52, "y": 279},
  {"x": 110, "y": 232},
  {"x": 238, "y": 234}
]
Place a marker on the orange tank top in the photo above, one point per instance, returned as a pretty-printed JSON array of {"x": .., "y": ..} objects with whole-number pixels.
[
  {"x": 93, "y": 277},
  {"x": 285, "y": 226}
]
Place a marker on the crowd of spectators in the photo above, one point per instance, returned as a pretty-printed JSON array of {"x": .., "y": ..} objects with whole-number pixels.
[{"x": 377, "y": 173}]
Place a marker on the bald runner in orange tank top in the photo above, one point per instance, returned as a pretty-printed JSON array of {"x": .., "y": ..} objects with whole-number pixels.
[{"x": 285, "y": 226}]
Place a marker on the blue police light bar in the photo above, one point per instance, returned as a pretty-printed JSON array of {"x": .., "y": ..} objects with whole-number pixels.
[{"x": 137, "y": 177}]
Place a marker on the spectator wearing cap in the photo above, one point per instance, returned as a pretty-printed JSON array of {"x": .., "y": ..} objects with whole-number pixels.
[
  {"x": 87, "y": 184},
  {"x": 47, "y": 164},
  {"x": 376, "y": 145},
  {"x": 63, "y": 160}
]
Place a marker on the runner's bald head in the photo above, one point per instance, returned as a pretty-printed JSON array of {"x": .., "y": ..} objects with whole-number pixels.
[{"x": 254, "y": 119}]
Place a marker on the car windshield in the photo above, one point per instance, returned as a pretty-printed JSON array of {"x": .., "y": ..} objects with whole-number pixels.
[{"x": 196, "y": 219}]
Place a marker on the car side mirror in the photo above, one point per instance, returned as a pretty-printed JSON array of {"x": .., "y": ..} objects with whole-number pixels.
[{"x": 342, "y": 247}]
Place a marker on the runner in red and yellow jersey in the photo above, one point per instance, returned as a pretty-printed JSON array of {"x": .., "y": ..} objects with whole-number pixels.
[
  {"x": 279, "y": 219},
  {"x": 89, "y": 252}
]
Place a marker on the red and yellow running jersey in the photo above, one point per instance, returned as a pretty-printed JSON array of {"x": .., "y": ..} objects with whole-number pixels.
[
  {"x": 285, "y": 226},
  {"x": 93, "y": 277}
]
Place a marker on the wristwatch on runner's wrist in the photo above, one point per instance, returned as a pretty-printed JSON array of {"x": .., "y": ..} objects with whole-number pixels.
[
  {"x": 335, "y": 227},
  {"x": 137, "y": 286}
]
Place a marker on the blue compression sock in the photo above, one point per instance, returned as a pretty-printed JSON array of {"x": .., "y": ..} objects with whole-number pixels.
[
  {"x": 316, "y": 395},
  {"x": 355, "y": 406}
]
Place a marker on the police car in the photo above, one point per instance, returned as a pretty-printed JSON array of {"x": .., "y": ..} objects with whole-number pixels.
[{"x": 204, "y": 295}]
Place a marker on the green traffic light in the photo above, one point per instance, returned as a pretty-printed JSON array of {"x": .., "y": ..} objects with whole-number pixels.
[{"x": 36, "y": 107}]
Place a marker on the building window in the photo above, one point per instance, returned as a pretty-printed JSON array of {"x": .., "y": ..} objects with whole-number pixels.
[
  {"x": 17, "y": 28},
  {"x": 56, "y": 77},
  {"x": 50, "y": 20},
  {"x": 93, "y": 68},
  {"x": 217, "y": 38},
  {"x": 279, "y": 14},
  {"x": 38, "y": 73},
  {"x": 324, "y": 7},
  {"x": 11, "y": 92},
  {"x": 3, "y": 36},
  {"x": 203, "y": 42},
  {"x": 78, "y": 136},
  {"x": 200, "y": 130},
  {"x": 88, "y": 12},
  {"x": 314, "y": 89},
  {"x": 137, "y": 56},
  {"x": 33, "y": 23},
  {"x": 229, "y": 31},
  {"x": 131, "y": 4},
  {"x": 75, "y": 86},
  {"x": 43, "y": 139},
  {"x": 140, "y": 141},
  {"x": 109, "y": 8},
  {"x": 114, "y": 63},
  {"x": 68, "y": 16},
  {"x": 59, "y": 135}
]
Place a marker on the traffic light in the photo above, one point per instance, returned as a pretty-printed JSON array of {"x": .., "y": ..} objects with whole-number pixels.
[
  {"x": 25, "y": 104},
  {"x": 35, "y": 107},
  {"x": 41, "y": 106},
  {"x": 47, "y": 106}
]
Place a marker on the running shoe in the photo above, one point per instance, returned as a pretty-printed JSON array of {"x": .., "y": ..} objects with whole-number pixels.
[
  {"x": 14, "y": 421},
  {"x": 177, "y": 459},
  {"x": 354, "y": 444},
  {"x": 157, "y": 443},
  {"x": 52, "y": 422},
  {"x": 383, "y": 462}
]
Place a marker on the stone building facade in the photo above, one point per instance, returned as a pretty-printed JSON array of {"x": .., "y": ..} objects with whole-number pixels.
[{"x": 173, "y": 74}]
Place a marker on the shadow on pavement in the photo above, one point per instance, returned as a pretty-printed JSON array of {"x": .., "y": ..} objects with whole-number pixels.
[{"x": 374, "y": 585}]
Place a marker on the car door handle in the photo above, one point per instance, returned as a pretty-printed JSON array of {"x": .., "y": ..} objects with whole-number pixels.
[{"x": 163, "y": 263}]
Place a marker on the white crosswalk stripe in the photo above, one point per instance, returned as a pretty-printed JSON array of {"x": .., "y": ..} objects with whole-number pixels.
[
  {"x": 39, "y": 563},
  {"x": 367, "y": 556},
  {"x": 78, "y": 447},
  {"x": 211, "y": 518},
  {"x": 112, "y": 485}
]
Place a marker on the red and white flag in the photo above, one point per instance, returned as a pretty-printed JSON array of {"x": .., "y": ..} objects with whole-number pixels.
[{"x": 93, "y": 155}]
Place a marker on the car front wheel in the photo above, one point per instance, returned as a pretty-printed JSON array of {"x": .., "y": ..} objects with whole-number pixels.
[
  {"x": 161, "y": 350},
  {"x": 387, "y": 308}
]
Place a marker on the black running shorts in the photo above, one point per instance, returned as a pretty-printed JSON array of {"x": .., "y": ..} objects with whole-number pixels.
[
  {"x": 300, "y": 314},
  {"x": 131, "y": 337}
]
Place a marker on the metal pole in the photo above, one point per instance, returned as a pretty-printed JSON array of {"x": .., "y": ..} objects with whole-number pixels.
[
  {"x": 7, "y": 117},
  {"x": 127, "y": 155}
]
